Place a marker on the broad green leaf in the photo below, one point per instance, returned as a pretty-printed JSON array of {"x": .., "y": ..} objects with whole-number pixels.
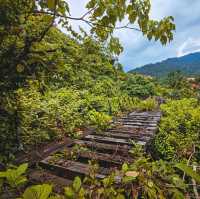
[
  {"x": 81, "y": 193},
  {"x": 77, "y": 184},
  {"x": 22, "y": 169},
  {"x": 150, "y": 183},
  {"x": 125, "y": 167},
  {"x": 69, "y": 193},
  {"x": 105, "y": 182},
  {"x": 38, "y": 192},
  {"x": 128, "y": 179},
  {"x": 189, "y": 171},
  {"x": 21, "y": 181},
  {"x": 176, "y": 194}
]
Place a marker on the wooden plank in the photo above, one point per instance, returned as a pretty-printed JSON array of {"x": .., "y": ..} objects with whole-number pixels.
[
  {"x": 137, "y": 124},
  {"x": 144, "y": 114},
  {"x": 145, "y": 121},
  {"x": 105, "y": 139},
  {"x": 132, "y": 133},
  {"x": 72, "y": 169},
  {"x": 111, "y": 140},
  {"x": 104, "y": 160},
  {"x": 140, "y": 117},
  {"x": 105, "y": 148},
  {"x": 138, "y": 120},
  {"x": 126, "y": 136},
  {"x": 110, "y": 149},
  {"x": 35, "y": 156},
  {"x": 40, "y": 176}
]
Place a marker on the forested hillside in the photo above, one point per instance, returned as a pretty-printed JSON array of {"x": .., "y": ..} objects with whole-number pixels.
[
  {"x": 188, "y": 65},
  {"x": 59, "y": 86}
]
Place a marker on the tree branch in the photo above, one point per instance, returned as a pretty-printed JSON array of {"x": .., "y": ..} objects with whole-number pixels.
[
  {"x": 88, "y": 12},
  {"x": 51, "y": 24},
  {"x": 91, "y": 24}
]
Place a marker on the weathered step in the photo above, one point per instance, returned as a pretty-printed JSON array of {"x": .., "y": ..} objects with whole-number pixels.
[
  {"x": 72, "y": 169},
  {"x": 105, "y": 148},
  {"x": 104, "y": 160},
  {"x": 132, "y": 133},
  {"x": 144, "y": 114},
  {"x": 142, "y": 117},
  {"x": 110, "y": 149},
  {"x": 44, "y": 176},
  {"x": 105, "y": 139},
  {"x": 137, "y": 124},
  {"x": 138, "y": 121},
  {"x": 125, "y": 136},
  {"x": 153, "y": 128}
]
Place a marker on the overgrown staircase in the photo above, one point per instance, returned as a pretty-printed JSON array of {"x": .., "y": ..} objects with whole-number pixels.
[{"x": 110, "y": 148}]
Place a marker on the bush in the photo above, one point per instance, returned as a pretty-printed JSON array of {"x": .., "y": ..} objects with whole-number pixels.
[
  {"x": 179, "y": 129},
  {"x": 48, "y": 116},
  {"x": 99, "y": 120},
  {"x": 149, "y": 104},
  {"x": 138, "y": 86}
]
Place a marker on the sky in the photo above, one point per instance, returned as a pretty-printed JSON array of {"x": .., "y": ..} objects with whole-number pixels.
[{"x": 138, "y": 50}]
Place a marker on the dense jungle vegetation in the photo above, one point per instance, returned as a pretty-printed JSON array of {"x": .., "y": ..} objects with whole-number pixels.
[{"x": 55, "y": 85}]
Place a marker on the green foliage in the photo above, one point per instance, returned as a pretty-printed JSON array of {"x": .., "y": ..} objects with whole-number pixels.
[
  {"x": 157, "y": 179},
  {"x": 139, "y": 86},
  {"x": 100, "y": 120},
  {"x": 38, "y": 192},
  {"x": 179, "y": 129},
  {"x": 106, "y": 15},
  {"x": 76, "y": 190},
  {"x": 149, "y": 104},
  {"x": 144, "y": 177},
  {"x": 47, "y": 116},
  {"x": 189, "y": 171},
  {"x": 15, "y": 177},
  {"x": 175, "y": 80}
]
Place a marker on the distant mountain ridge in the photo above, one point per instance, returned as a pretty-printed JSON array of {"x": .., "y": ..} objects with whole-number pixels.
[{"x": 188, "y": 64}]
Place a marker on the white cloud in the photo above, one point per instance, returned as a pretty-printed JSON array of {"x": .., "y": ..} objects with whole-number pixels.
[{"x": 189, "y": 46}]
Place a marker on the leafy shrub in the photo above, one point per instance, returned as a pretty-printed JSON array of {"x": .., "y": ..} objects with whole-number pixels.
[
  {"x": 149, "y": 104},
  {"x": 138, "y": 86},
  {"x": 38, "y": 192},
  {"x": 179, "y": 129},
  {"x": 43, "y": 117},
  {"x": 153, "y": 179},
  {"x": 15, "y": 177},
  {"x": 142, "y": 178},
  {"x": 98, "y": 119}
]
